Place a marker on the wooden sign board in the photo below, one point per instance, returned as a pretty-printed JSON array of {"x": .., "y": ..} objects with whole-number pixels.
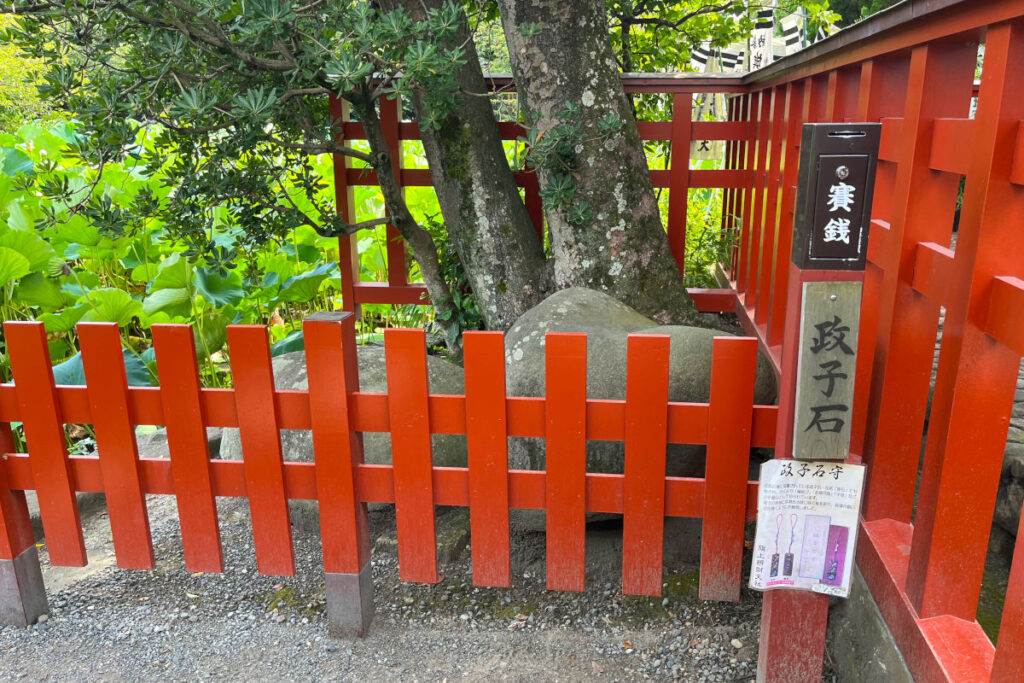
[{"x": 829, "y": 323}]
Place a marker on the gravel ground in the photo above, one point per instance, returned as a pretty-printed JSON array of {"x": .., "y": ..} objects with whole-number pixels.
[{"x": 169, "y": 624}]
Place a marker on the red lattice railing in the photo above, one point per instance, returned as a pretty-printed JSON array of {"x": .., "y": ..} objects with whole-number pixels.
[
  {"x": 678, "y": 179},
  {"x": 923, "y": 543}
]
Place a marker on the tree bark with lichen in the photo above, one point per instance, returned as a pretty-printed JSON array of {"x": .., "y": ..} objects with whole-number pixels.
[
  {"x": 483, "y": 211},
  {"x": 561, "y": 53}
]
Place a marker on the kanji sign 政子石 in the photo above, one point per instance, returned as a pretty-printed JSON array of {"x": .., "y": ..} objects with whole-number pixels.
[{"x": 826, "y": 367}]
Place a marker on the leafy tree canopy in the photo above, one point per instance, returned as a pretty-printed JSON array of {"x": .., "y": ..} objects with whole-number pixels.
[
  {"x": 228, "y": 101},
  {"x": 19, "y": 101},
  {"x": 232, "y": 98}
]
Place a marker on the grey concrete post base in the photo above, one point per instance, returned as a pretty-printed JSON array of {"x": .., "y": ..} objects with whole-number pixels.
[
  {"x": 22, "y": 594},
  {"x": 349, "y": 603}
]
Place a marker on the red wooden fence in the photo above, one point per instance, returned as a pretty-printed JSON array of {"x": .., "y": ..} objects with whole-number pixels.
[
  {"x": 337, "y": 413},
  {"x": 913, "y": 68},
  {"x": 678, "y": 179}
]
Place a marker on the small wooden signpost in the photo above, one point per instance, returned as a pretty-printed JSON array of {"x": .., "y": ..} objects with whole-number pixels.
[{"x": 819, "y": 355}]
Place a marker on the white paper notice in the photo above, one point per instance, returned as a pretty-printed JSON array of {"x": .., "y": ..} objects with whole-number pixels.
[{"x": 807, "y": 515}]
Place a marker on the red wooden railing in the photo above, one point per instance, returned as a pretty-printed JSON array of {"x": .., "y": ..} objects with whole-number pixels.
[
  {"x": 913, "y": 68},
  {"x": 337, "y": 413},
  {"x": 680, "y": 130}
]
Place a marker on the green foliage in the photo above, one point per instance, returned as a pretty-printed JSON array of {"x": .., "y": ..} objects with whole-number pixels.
[
  {"x": 706, "y": 244},
  {"x": 19, "y": 101},
  {"x": 853, "y": 11},
  {"x": 65, "y": 257},
  {"x": 227, "y": 103},
  {"x": 554, "y": 150},
  {"x": 195, "y": 185},
  {"x": 464, "y": 313}
]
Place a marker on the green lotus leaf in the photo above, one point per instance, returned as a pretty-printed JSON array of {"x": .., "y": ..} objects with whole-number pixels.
[
  {"x": 219, "y": 290},
  {"x": 113, "y": 306}
]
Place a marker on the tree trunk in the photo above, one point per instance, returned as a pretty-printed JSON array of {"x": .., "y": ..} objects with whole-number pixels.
[
  {"x": 418, "y": 239},
  {"x": 608, "y": 234},
  {"x": 483, "y": 212}
]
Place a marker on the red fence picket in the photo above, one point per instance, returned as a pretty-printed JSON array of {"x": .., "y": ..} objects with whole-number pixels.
[
  {"x": 409, "y": 414},
  {"x": 487, "y": 442},
  {"x": 643, "y": 520},
  {"x": 189, "y": 449},
  {"x": 115, "y": 440},
  {"x": 261, "y": 447},
  {"x": 42, "y": 421},
  {"x": 565, "y": 455},
  {"x": 731, "y": 406}
]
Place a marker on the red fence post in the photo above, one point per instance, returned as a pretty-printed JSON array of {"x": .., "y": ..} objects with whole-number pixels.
[
  {"x": 22, "y": 594},
  {"x": 333, "y": 372},
  {"x": 679, "y": 176},
  {"x": 730, "y": 410},
  {"x": 344, "y": 206},
  {"x": 44, "y": 431}
]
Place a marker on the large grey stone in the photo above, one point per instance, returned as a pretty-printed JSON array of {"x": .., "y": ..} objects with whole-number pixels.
[
  {"x": 607, "y": 323},
  {"x": 290, "y": 374}
]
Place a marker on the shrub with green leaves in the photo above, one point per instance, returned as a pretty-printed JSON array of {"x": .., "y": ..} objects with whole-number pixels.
[{"x": 73, "y": 248}]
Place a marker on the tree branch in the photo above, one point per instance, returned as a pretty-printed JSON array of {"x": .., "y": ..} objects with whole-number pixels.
[{"x": 666, "y": 23}]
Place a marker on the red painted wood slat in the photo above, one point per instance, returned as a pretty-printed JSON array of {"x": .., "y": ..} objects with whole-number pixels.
[
  {"x": 261, "y": 448},
  {"x": 772, "y": 221},
  {"x": 186, "y": 439},
  {"x": 44, "y": 431},
  {"x": 406, "y": 360},
  {"x": 923, "y": 201},
  {"x": 643, "y": 523},
  {"x": 733, "y": 371},
  {"x": 678, "y": 195},
  {"x": 115, "y": 444},
  {"x": 344, "y": 202},
  {"x": 783, "y": 253},
  {"x": 15, "y": 524},
  {"x": 487, "y": 439},
  {"x": 390, "y": 119},
  {"x": 333, "y": 372},
  {"x": 566, "y": 459}
]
